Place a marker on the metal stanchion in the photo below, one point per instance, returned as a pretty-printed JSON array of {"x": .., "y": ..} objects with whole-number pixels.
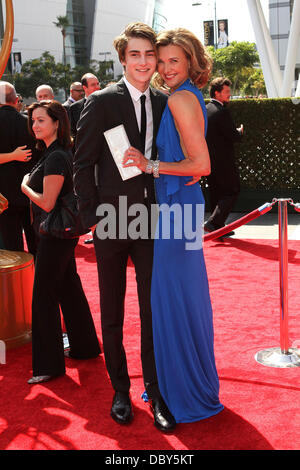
[
  {"x": 282, "y": 356},
  {"x": 65, "y": 336},
  {"x": 295, "y": 205},
  {"x": 66, "y": 341}
]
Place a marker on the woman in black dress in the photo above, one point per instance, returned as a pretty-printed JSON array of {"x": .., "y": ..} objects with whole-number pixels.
[{"x": 56, "y": 281}]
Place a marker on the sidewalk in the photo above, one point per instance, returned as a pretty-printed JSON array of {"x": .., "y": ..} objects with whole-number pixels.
[{"x": 265, "y": 226}]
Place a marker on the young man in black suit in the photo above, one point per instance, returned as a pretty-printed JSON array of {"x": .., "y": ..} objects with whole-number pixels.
[
  {"x": 104, "y": 110},
  {"x": 223, "y": 181}
]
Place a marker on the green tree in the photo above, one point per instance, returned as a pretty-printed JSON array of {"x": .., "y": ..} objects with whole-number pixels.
[
  {"x": 255, "y": 84},
  {"x": 36, "y": 72},
  {"x": 62, "y": 23},
  {"x": 59, "y": 76},
  {"x": 234, "y": 61},
  {"x": 104, "y": 72}
]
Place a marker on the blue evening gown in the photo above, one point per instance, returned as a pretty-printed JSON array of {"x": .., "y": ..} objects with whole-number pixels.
[{"x": 181, "y": 308}]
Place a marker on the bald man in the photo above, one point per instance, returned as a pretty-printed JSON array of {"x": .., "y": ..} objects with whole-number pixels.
[
  {"x": 76, "y": 94},
  {"x": 90, "y": 83},
  {"x": 13, "y": 134},
  {"x": 44, "y": 92}
]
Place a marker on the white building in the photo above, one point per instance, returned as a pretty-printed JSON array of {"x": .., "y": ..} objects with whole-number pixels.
[
  {"x": 278, "y": 46},
  {"x": 93, "y": 26},
  {"x": 280, "y": 15},
  {"x": 111, "y": 16}
]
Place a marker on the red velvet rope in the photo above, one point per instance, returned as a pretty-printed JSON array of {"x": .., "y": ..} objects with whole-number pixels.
[{"x": 238, "y": 223}]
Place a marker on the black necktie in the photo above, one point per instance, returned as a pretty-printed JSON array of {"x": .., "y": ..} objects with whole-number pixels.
[{"x": 143, "y": 122}]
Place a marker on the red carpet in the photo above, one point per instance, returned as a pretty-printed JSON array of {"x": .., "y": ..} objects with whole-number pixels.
[{"x": 261, "y": 403}]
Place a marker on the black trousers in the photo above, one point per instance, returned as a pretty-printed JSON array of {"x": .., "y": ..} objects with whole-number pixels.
[
  {"x": 12, "y": 222},
  {"x": 112, "y": 284},
  {"x": 57, "y": 284},
  {"x": 222, "y": 198}
]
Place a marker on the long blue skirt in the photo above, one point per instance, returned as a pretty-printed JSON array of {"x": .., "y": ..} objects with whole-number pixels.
[{"x": 182, "y": 314}]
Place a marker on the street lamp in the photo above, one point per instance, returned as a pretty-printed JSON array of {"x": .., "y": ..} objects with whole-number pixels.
[
  {"x": 106, "y": 65},
  {"x": 105, "y": 54},
  {"x": 196, "y": 4}
]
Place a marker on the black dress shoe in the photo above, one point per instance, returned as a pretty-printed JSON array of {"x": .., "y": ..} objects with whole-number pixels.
[
  {"x": 229, "y": 234},
  {"x": 67, "y": 353},
  {"x": 226, "y": 235},
  {"x": 163, "y": 419},
  {"x": 209, "y": 227},
  {"x": 121, "y": 410},
  {"x": 38, "y": 379}
]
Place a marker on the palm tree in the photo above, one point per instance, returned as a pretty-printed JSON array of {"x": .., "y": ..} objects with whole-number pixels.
[{"x": 62, "y": 23}]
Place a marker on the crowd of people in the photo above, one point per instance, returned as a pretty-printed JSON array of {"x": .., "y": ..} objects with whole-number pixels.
[{"x": 175, "y": 139}]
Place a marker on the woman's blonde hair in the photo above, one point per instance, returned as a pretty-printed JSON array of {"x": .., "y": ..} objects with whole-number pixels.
[{"x": 200, "y": 62}]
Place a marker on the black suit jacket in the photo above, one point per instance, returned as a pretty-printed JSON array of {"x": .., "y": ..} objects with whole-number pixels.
[
  {"x": 220, "y": 137},
  {"x": 14, "y": 133},
  {"x": 104, "y": 110},
  {"x": 74, "y": 112}
]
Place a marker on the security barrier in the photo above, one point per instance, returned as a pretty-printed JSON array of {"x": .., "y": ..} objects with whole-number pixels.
[{"x": 282, "y": 356}]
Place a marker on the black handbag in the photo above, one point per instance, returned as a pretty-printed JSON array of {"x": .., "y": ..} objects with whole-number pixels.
[{"x": 64, "y": 221}]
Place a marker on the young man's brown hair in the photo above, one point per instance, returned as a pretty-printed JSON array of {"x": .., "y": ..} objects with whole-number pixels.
[{"x": 133, "y": 30}]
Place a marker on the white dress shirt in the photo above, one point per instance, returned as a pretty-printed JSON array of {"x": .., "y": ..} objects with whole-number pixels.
[{"x": 135, "y": 96}]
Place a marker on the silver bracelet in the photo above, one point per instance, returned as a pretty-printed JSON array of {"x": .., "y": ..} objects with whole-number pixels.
[
  {"x": 149, "y": 167},
  {"x": 156, "y": 168}
]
